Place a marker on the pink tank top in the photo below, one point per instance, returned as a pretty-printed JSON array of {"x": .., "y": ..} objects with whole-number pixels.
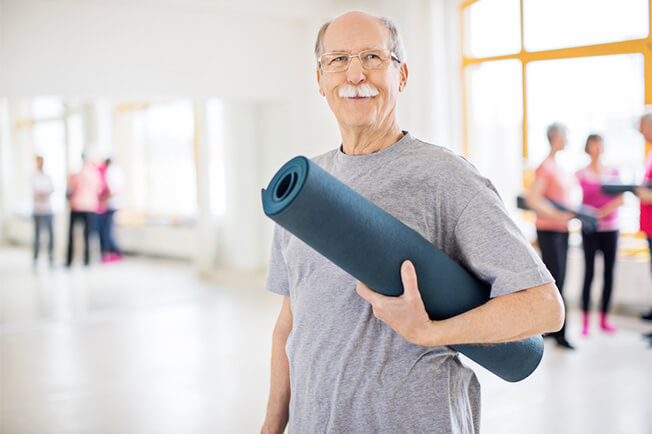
[{"x": 592, "y": 196}]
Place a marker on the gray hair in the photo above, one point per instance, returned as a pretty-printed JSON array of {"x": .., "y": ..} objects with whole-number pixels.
[
  {"x": 555, "y": 129},
  {"x": 396, "y": 43}
]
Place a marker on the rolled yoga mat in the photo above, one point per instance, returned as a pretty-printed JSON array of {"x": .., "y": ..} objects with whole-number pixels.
[
  {"x": 616, "y": 189},
  {"x": 586, "y": 215},
  {"x": 371, "y": 245}
]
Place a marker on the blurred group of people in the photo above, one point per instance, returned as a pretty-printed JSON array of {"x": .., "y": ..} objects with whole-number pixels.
[
  {"x": 93, "y": 194},
  {"x": 550, "y": 197}
]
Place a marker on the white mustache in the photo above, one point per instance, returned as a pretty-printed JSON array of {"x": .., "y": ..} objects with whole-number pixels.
[{"x": 364, "y": 90}]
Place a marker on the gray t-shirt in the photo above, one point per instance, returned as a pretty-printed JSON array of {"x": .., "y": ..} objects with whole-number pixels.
[{"x": 350, "y": 372}]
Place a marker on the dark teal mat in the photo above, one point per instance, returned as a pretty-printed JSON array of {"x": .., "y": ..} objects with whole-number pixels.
[{"x": 371, "y": 245}]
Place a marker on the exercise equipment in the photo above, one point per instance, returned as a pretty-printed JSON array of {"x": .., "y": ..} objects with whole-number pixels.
[
  {"x": 586, "y": 214},
  {"x": 616, "y": 189},
  {"x": 370, "y": 244}
]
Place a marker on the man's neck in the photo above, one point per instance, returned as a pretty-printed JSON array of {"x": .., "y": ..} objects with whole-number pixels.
[{"x": 364, "y": 141}]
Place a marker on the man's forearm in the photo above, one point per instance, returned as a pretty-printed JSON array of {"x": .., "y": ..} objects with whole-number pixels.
[
  {"x": 279, "y": 390},
  {"x": 502, "y": 319}
]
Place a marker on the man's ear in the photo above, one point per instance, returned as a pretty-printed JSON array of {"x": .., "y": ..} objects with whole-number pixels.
[
  {"x": 321, "y": 91},
  {"x": 404, "y": 76}
]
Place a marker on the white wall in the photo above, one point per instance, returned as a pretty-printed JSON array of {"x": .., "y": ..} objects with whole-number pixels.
[
  {"x": 4, "y": 146},
  {"x": 130, "y": 49}
]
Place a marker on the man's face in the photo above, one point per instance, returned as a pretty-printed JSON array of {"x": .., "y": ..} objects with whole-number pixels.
[{"x": 353, "y": 33}]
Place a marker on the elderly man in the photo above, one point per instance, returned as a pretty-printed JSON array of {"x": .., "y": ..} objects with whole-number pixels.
[{"x": 347, "y": 359}]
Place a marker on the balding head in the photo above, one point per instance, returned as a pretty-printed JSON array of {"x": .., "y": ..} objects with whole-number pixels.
[{"x": 354, "y": 20}]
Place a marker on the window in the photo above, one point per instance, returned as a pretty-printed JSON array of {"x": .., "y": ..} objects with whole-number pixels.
[
  {"x": 554, "y": 24},
  {"x": 38, "y": 129},
  {"x": 156, "y": 143},
  {"x": 494, "y": 28},
  {"x": 153, "y": 143},
  {"x": 495, "y": 122},
  {"x": 581, "y": 63}
]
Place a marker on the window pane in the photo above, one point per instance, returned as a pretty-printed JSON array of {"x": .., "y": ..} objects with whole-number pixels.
[
  {"x": 154, "y": 145},
  {"x": 75, "y": 142},
  {"x": 493, "y": 28},
  {"x": 554, "y": 24},
  {"x": 172, "y": 182},
  {"x": 44, "y": 107},
  {"x": 215, "y": 112},
  {"x": 603, "y": 95},
  {"x": 495, "y": 124}
]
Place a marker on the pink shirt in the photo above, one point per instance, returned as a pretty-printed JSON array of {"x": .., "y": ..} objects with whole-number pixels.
[
  {"x": 592, "y": 196},
  {"x": 558, "y": 188},
  {"x": 646, "y": 208},
  {"x": 85, "y": 188}
]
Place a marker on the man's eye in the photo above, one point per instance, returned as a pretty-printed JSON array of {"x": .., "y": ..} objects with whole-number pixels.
[
  {"x": 339, "y": 59},
  {"x": 372, "y": 56}
]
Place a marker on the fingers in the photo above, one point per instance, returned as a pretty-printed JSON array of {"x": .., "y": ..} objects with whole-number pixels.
[
  {"x": 409, "y": 279},
  {"x": 373, "y": 298},
  {"x": 365, "y": 292}
]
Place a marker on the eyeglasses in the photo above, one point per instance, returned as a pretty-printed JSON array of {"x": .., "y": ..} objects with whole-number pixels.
[{"x": 369, "y": 59}]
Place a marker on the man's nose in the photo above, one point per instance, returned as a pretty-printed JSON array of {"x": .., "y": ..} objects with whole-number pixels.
[{"x": 355, "y": 74}]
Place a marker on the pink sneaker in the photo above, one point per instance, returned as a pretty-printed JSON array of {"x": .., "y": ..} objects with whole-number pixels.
[
  {"x": 605, "y": 325},
  {"x": 585, "y": 324}
]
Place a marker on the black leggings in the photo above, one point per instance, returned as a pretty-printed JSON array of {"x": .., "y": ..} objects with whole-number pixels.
[
  {"x": 607, "y": 243},
  {"x": 88, "y": 220},
  {"x": 554, "y": 251}
]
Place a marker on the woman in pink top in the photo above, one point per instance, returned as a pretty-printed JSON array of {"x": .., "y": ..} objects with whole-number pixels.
[
  {"x": 645, "y": 196},
  {"x": 84, "y": 188},
  {"x": 605, "y": 238},
  {"x": 551, "y": 183}
]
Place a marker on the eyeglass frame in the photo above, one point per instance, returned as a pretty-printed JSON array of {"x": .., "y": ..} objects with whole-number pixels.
[{"x": 392, "y": 56}]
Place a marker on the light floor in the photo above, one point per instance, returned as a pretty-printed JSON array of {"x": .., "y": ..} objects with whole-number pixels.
[{"x": 144, "y": 346}]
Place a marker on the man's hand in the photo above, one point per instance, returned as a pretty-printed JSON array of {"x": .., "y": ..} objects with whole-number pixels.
[{"x": 405, "y": 314}]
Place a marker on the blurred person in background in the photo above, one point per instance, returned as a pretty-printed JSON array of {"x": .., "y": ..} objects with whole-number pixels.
[
  {"x": 605, "y": 238},
  {"x": 114, "y": 183},
  {"x": 83, "y": 192},
  {"x": 552, "y": 183},
  {"x": 101, "y": 207},
  {"x": 645, "y": 196},
  {"x": 42, "y": 189}
]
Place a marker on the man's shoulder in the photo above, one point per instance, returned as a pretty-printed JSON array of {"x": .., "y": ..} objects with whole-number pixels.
[
  {"x": 326, "y": 156},
  {"x": 439, "y": 158}
]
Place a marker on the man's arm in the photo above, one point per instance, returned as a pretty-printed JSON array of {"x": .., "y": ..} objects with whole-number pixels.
[
  {"x": 279, "y": 389},
  {"x": 504, "y": 318}
]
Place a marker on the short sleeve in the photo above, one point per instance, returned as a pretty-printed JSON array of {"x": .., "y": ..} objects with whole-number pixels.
[
  {"x": 494, "y": 249},
  {"x": 277, "y": 275}
]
